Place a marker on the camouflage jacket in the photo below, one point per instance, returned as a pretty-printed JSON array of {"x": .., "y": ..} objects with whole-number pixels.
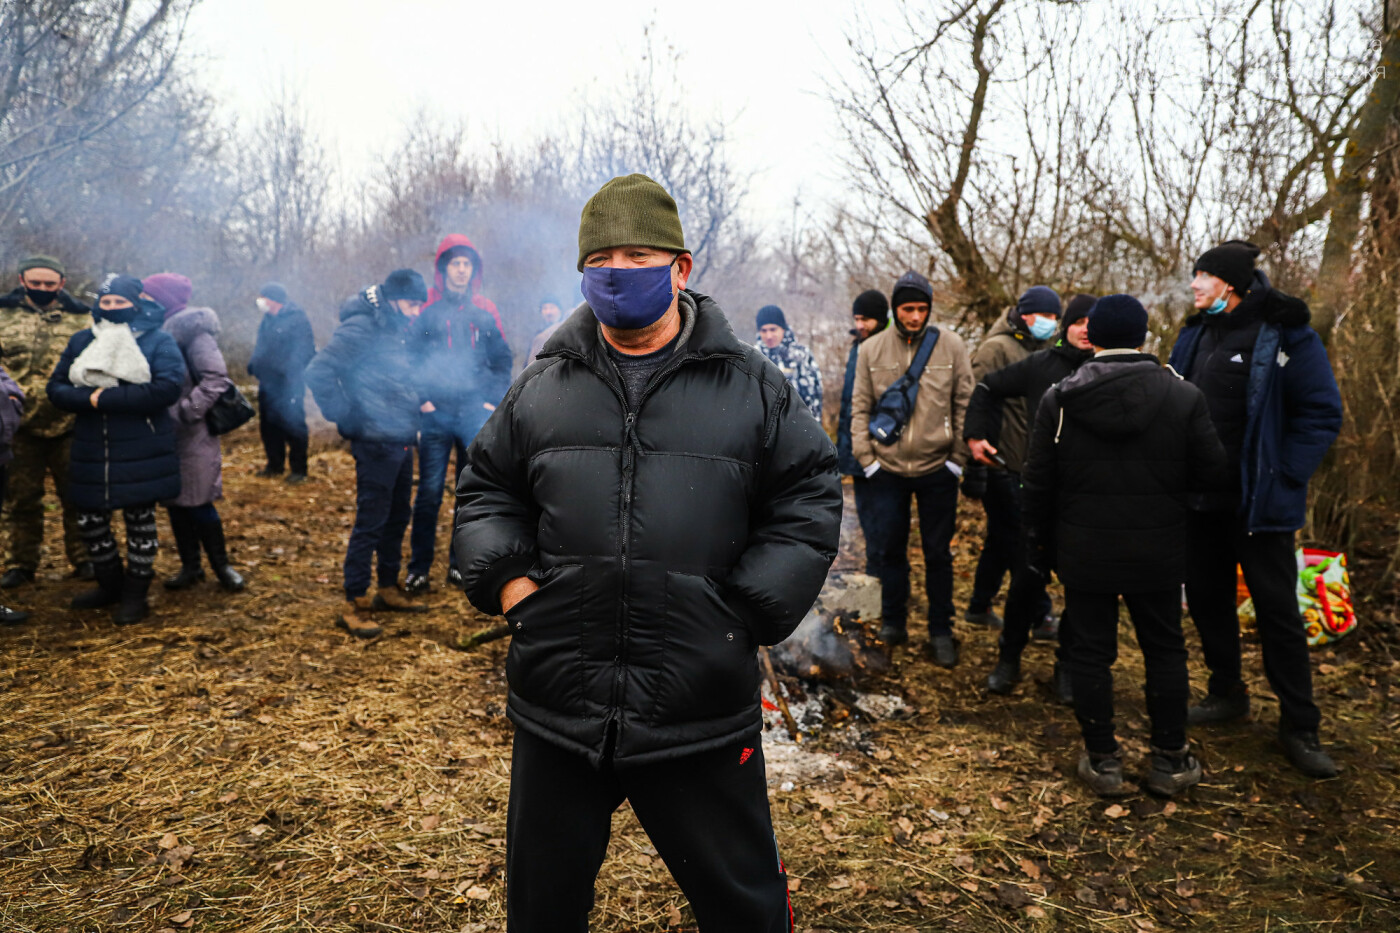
[{"x": 31, "y": 342}]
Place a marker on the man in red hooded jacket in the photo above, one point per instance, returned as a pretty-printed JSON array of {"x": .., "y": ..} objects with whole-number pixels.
[{"x": 464, "y": 366}]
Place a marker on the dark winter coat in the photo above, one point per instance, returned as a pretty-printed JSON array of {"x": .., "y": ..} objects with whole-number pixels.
[
  {"x": 1116, "y": 449},
  {"x": 364, "y": 380},
  {"x": 846, "y": 460},
  {"x": 123, "y": 450},
  {"x": 800, "y": 368},
  {"x": 669, "y": 542},
  {"x": 463, "y": 363},
  {"x": 1029, "y": 379},
  {"x": 284, "y": 346},
  {"x": 11, "y": 409},
  {"x": 1007, "y": 342},
  {"x": 201, "y": 455},
  {"x": 1293, "y": 410}
]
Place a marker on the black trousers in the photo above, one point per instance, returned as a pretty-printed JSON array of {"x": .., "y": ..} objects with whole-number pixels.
[
  {"x": 1219, "y": 541},
  {"x": 1157, "y": 619},
  {"x": 887, "y": 547},
  {"x": 706, "y": 814},
  {"x": 1002, "y": 503},
  {"x": 282, "y": 427}
]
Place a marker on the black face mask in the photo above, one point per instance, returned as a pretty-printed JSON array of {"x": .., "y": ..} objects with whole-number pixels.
[
  {"x": 116, "y": 315},
  {"x": 40, "y": 296}
]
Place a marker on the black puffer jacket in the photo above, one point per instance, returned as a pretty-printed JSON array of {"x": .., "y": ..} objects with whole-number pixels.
[
  {"x": 364, "y": 380},
  {"x": 1115, "y": 451},
  {"x": 1029, "y": 379},
  {"x": 669, "y": 542}
]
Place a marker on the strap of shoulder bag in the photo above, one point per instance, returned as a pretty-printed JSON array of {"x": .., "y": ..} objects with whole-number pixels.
[{"x": 916, "y": 368}]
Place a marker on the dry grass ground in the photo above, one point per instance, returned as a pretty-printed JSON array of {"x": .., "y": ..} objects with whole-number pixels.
[{"x": 238, "y": 764}]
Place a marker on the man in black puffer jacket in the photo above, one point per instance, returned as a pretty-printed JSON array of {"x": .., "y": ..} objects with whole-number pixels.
[
  {"x": 1028, "y": 379},
  {"x": 365, "y": 382},
  {"x": 649, "y": 504},
  {"x": 1116, "y": 449},
  {"x": 284, "y": 347}
]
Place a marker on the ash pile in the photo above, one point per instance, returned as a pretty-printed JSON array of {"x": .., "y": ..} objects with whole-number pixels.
[{"x": 827, "y": 680}]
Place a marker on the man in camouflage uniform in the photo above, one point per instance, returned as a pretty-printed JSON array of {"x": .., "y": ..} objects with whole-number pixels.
[{"x": 36, "y": 320}]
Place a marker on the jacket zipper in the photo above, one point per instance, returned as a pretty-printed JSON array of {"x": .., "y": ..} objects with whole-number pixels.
[{"x": 106, "y": 464}]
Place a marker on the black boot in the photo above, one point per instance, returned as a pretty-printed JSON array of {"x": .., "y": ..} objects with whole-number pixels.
[
  {"x": 133, "y": 607},
  {"x": 1004, "y": 676},
  {"x": 212, "y": 535},
  {"x": 187, "y": 546},
  {"x": 109, "y": 586}
]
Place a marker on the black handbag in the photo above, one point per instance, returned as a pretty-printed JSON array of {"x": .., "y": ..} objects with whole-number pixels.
[
  {"x": 896, "y": 405},
  {"x": 230, "y": 410}
]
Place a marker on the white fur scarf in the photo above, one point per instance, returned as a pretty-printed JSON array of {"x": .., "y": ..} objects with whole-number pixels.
[{"x": 112, "y": 357}]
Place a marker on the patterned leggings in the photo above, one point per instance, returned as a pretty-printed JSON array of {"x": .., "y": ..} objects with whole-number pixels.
[{"x": 95, "y": 528}]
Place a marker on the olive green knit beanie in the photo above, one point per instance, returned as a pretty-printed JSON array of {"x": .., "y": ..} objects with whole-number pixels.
[
  {"x": 630, "y": 210},
  {"x": 41, "y": 262}
]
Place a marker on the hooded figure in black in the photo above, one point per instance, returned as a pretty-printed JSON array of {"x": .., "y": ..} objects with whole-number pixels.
[
  {"x": 1116, "y": 450},
  {"x": 120, "y": 377},
  {"x": 365, "y": 381},
  {"x": 285, "y": 345},
  {"x": 650, "y": 504},
  {"x": 1026, "y": 599},
  {"x": 871, "y": 313}
]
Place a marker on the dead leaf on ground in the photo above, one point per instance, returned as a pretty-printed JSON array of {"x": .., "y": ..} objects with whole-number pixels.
[
  {"x": 431, "y": 822},
  {"x": 1115, "y": 812},
  {"x": 169, "y": 841},
  {"x": 477, "y": 893},
  {"x": 1013, "y": 895}
]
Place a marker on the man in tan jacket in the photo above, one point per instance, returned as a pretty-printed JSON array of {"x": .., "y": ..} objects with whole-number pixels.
[{"x": 923, "y": 463}]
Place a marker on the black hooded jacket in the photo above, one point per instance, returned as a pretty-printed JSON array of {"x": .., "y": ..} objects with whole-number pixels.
[
  {"x": 1029, "y": 379},
  {"x": 1116, "y": 449},
  {"x": 669, "y": 541},
  {"x": 365, "y": 380}
]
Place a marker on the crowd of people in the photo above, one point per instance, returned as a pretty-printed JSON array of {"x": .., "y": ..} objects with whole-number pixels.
[{"x": 652, "y": 499}]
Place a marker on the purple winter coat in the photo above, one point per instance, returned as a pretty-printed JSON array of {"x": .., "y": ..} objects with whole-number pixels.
[
  {"x": 201, "y": 457},
  {"x": 9, "y": 415}
]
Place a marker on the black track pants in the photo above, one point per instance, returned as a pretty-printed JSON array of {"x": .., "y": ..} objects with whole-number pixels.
[{"x": 706, "y": 814}]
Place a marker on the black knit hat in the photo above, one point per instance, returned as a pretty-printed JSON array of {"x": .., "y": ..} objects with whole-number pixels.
[
  {"x": 1118, "y": 322},
  {"x": 1038, "y": 299},
  {"x": 873, "y": 304},
  {"x": 770, "y": 314},
  {"x": 404, "y": 285},
  {"x": 125, "y": 286},
  {"x": 1077, "y": 308},
  {"x": 274, "y": 291},
  {"x": 1232, "y": 262},
  {"x": 911, "y": 287}
]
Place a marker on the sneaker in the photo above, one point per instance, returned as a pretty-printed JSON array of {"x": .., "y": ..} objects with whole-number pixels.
[
  {"x": 988, "y": 619},
  {"x": 354, "y": 618},
  {"x": 1216, "y": 709},
  {"x": 1048, "y": 629},
  {"x": 10, "y": 616},
  {"x": 1172, "y": 771},
  {"x": 942, "y": 650},
  {"x": 1103, "y": 774},
  {"x": 454, "y": 578},
  {"x": 893, "y": 636},
  {"x": 1003, "y": 677},
  {"x": 1061, "y": 685},
  {"x": 1305, "y": 752},
  {"x": 16, "y": 577},
  {"x": 295, "y": 479},
  {"x": 415, "y": 583},
  {"x": 393, "y": 599}
]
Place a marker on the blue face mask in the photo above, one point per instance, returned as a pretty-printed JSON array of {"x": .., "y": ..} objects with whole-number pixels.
[
  {"x": 1042, "y": 327},
  {"x": 1216, "y": 306},
  {"x": 628, "y": 299}
]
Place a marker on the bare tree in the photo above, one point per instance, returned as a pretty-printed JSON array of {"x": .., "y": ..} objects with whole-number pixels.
[{"x": 69, "y": 71}]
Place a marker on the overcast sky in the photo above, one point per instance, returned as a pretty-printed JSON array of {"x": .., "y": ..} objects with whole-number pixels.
[{"x": 512, "y": 69}]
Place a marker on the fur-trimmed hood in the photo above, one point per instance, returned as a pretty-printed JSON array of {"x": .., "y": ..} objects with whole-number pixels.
[{"x": 188, "y": 324}]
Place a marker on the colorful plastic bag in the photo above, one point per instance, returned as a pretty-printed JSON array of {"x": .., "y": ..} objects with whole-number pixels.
[{"x": 1324, "y": 595}]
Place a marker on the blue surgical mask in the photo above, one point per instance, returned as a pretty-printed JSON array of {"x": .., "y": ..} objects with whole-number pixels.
[
  {"x": 1043, "y": 327},
  {"x": 628, "y": 299},
  {"x": 1217, "y": 306}
]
